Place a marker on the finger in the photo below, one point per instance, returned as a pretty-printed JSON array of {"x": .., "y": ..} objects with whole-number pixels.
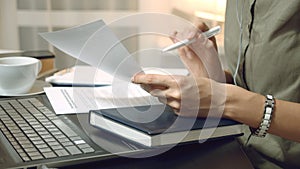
[
  {"x": 202, "y": 40},
  {"x": 163, "y": 100},
  {"x": 146, "y": 87},
  {"x": 177, "y": 112},
  {"x": 192, "y": 62},
  {"x": 203, "y": 27},
  {"x": 173, "y": 37},
  {"x": 153, "y": 79},
  {"x": 169, "y": 95},
  {"x": 187, "y": 34},
  {"x": 174, "y": 104},
  {"x": 158, "y": 93},
  {"x": 149, "y": 88},
  {"x": 193, "y": 33}
]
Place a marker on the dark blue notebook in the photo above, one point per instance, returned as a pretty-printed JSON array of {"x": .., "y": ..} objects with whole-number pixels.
[{"x": 158, "y": 125}]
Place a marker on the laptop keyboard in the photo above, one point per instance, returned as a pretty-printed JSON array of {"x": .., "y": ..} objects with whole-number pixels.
[{"x": 36, "y": 133}]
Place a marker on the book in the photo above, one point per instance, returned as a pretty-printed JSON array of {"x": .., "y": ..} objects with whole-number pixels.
[{"x": 158, "y": 125}]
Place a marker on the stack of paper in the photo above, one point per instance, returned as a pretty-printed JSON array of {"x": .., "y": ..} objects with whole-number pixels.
[
  {"x": 83, "y": 76},
  {"x": 69, "y": 100}
]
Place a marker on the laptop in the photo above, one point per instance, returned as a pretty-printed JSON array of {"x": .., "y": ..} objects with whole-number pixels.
[{"x": 32, "y": 135}]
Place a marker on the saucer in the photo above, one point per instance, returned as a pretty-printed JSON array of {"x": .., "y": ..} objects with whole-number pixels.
[{"x": 37, "y": 88}]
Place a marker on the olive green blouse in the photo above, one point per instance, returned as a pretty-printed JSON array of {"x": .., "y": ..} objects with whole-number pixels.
[{"x": 266, "y": 32}]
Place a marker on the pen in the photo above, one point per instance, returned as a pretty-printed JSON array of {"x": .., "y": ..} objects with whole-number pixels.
[{"x": 211, "y": 32}]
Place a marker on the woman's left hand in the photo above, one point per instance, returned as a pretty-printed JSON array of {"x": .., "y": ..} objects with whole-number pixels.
[{"x": 188, "y": 96}]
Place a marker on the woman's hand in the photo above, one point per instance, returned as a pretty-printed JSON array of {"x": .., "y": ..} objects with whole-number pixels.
[
  {"x": 197, "y": 94},
  {"x": 201, "y": 55},
  {"x": 202, "y": 93},
  {"x": 186, "y": 95}
]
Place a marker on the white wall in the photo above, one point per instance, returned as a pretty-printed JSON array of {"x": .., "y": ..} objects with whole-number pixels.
[{"x": 9, "y": 38}]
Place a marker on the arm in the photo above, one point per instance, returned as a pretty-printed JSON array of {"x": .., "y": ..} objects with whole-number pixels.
[
  {"x": 237, "y": 103},
  {"x": 228, "y": 77},
  {"x": 248, "y": 107}
]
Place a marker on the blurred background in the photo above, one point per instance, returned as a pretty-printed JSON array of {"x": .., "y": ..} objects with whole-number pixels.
[{"x": 22, "y": 20}]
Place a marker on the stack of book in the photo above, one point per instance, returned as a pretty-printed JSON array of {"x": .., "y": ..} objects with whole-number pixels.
[{"x": 158, "y": 125}]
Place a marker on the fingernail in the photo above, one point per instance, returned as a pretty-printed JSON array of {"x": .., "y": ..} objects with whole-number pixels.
[
  {"x": 191, "y": 35},
  {"x": 132, "y": 79}
]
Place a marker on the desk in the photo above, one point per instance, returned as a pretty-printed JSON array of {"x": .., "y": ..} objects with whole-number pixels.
[
  {"x": 218, "y": 154},
  {"x": 223, "y": 154}
]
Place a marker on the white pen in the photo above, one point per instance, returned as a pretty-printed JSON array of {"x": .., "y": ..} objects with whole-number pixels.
[{"x": 211, "y": 32}]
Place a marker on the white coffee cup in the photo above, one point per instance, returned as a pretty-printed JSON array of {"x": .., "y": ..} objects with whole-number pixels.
[{"x": 18, "y": 74}]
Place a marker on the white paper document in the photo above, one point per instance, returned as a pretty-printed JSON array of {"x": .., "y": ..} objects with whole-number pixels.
[
  {"x": 95, "y": 44},
  {"x": 88, "y": 76},
  {"x": 70, "y": 100},
  {"x": 80, "y": 75}
]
